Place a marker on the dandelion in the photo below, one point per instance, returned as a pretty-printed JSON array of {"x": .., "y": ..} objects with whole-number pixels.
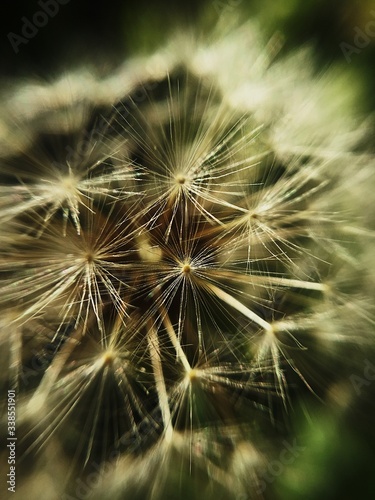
[
  {"x": 62, "y": 177},
  {"x": 78, "y": 277},
  {"x": 183, "y": 277}
]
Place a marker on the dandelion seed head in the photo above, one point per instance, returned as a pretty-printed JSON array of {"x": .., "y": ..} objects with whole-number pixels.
[{"x": 189, "y": 267}]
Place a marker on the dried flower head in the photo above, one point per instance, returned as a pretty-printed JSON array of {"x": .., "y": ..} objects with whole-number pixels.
[{"x": 177, "y": 276}]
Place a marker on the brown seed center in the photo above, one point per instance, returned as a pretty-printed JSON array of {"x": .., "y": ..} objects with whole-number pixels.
[
  {"x": 180, "y": 179},
  {"x": 186, "y": 268}
]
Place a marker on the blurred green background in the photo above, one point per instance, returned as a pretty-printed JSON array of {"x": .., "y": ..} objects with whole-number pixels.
[
  {"x": 84, "y": 30},
  {"x": 90, "y": 29},
  {"x": 339, "y": 461},
  {"x": 105, "y": 32}
]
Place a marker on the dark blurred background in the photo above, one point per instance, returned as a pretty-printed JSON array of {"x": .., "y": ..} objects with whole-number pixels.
[
  {"x": 340, "y": 461},
  {"x": 86, "y": 30},
  {"x": 81, "y": 31},
  {"x": 104, "y": 33}
]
